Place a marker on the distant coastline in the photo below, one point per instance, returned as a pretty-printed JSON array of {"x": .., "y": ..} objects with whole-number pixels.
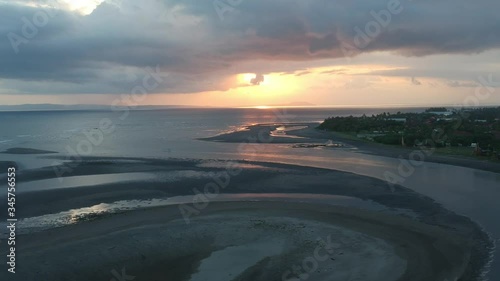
[
  {"x": 311, "y": 135},
  {"x": 304, "y": 105}
]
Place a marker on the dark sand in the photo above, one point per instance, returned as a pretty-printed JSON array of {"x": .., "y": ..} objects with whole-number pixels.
[
  {"x": 150, "y": 243},
  {"x": 22, "y": 150},
  {"x": 262, "y": 134},
  {"x": 246, "y": 241},
  {"x": 4, "y": 165}
]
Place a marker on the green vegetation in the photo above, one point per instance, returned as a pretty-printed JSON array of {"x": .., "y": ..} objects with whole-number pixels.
[
  {"x": 455, "y": 132},
  {"x": 437, "y": 109}
]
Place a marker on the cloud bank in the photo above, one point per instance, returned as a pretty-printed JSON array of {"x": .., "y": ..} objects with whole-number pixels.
[{"x": 48, "y": 47}]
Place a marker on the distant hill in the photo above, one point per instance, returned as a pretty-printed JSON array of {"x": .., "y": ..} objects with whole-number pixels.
[{"x": 58, "y": 107}]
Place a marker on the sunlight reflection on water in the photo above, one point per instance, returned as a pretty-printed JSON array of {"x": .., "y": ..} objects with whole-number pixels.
[{"x": 74, "y": 216}]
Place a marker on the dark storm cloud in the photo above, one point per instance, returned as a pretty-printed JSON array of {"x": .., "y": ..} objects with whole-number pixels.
[
  {"x": 197, "y": 40},
  {"x": 67, "y": 44}
]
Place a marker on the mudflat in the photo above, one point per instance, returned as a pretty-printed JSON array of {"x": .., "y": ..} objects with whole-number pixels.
[
  {"x": 414, "y": 236},
  {"x": 246, "y": 241}
]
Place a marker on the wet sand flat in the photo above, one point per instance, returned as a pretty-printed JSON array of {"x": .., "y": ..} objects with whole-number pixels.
[
  {"x": 22, "y": 150},
  {"x": 258, "y": 240},
  {"x": 94, "y": 243},
  {"x": 262, "y": 133}
]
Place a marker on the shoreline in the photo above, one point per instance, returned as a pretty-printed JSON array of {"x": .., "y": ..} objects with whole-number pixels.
[{"x": 261, "y": 133}]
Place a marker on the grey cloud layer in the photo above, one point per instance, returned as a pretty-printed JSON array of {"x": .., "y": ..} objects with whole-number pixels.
[{"x": 97, "y": 53}]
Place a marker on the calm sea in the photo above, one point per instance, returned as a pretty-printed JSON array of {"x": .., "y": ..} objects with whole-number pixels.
[{"x": 157, "y": 133}]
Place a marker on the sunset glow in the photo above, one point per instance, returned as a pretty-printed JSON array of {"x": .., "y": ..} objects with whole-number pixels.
[{"x": 205, "y": 58}]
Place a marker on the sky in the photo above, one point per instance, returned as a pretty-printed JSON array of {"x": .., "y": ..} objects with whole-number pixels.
[{"x": 230, "y": 53}]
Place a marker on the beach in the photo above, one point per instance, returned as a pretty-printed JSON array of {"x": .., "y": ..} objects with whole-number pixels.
[
  {"x": 313, "y": 137},
  {"x": 417, "y": 238},
  {"x": 247, "y": 241}
]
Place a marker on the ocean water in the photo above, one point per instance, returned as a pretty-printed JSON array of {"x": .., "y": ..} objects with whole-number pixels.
[
  {"x": 157, "y": 133},
  {"x": 175, "y": 133}
]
